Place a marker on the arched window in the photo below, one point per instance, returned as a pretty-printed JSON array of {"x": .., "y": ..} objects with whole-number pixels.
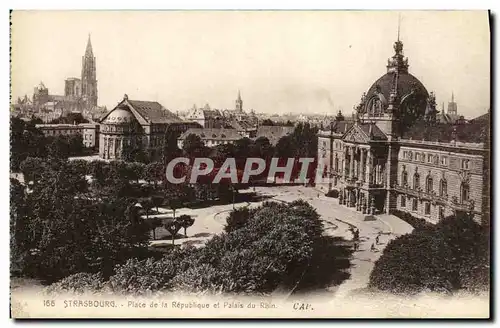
[
  {"x": 464, "y": 192},
  {"x": 443, "y": 187},
  {"x": 404, "y": 178},
  {"x": 416, "y": 181},
  {"x": 428, "y": 184}
]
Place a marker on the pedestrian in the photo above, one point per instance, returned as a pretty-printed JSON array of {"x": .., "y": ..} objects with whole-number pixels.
[
  {"x": 373, "y": 248},
  {"x": 376, "y": 240}
]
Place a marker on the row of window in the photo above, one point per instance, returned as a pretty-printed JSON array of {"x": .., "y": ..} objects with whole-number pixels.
[
  {"x": 414, "y": 206},
  {"x": 429, "y": 183},
  {"x": 337, "y": 145},
  {"x": 61, "y": 132},
  {"x": 433, "y": 159},
  {"x": 425, "y": 158},
  {"x": 443, "y": 186}
]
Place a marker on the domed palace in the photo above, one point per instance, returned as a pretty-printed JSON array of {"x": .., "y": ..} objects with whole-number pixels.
[
  {"x": 135, "y": 125},
  {"x": 395, "y": 155}
]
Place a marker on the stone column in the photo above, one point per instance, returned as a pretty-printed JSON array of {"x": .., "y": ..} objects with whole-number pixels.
[
  {"x": 361, "y": 166},
  {"x": 388, "y": 180},
  {"x": 351, "y": 173},
  {"x": 369, "y": 166}
]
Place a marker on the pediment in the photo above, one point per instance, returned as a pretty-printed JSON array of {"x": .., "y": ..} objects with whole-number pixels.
[
  {"x": 136, "y": 114},
  {"x": 355, "y": 134}
]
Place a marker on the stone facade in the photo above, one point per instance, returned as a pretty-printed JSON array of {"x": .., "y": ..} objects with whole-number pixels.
[
  {"x": 88, "y": 131},
  {"x": 376, "y": 170}
]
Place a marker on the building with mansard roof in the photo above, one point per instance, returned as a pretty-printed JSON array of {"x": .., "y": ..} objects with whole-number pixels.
[{"x": 397, "y": 155}]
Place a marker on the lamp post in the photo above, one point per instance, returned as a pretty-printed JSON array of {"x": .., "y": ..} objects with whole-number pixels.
[{"x": 234, "y": 194}]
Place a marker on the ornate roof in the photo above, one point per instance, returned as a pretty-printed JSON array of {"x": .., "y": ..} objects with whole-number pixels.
[
  {"x": 397, "y": 93},
  {"x": 405, "y": 82}
]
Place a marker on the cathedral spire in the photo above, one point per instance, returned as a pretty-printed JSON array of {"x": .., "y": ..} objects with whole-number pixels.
[
  {"x": 239, "y": 103},
  {"x": 88, "y": 50},
  {"x": 89, "y": 80}
]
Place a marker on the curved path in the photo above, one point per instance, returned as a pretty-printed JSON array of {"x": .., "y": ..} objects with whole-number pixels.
[{"x": 387, "y": 227}]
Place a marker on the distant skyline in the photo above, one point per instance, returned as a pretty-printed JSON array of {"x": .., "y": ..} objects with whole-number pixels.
[{"x": 281, "y": 61}]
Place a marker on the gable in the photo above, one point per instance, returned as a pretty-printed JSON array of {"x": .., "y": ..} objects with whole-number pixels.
[
  {"x": 123, "y": 103},
  {"x": 355, "y": 134}
]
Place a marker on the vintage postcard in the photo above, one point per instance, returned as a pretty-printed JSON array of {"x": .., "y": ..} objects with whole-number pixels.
[{"x": 250, "y": 164}]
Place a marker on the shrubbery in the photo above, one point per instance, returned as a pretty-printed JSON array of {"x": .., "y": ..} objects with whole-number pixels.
[
  {"x": 256, "y": 255},
  {"x": 77, "y": 283},
  {"x": 448, "y": 257},
  {"x": 417, "y": 223},
  {"x": 333, "y": 193}
]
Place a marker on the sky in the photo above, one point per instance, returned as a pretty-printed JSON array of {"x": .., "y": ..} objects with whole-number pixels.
[{"x": 281, "y": 61}]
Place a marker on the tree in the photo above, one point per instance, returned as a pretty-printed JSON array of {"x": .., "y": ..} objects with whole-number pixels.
[
  {"x": 70, "y": 118},
  {"x": 32, "y": 169},
  {"x": 157, "y": 201},
  {"x": 20, "y": 241},
  {"x": 285, "y": 147},
  {"x": 193, "y": 145},
  {"x": 153, "y": 224},
  {"x": 242, "y": 151},
  {"x": 136, "y": 171},
  {"x": 153, "y": 172},
  {"x": 439, "y": 259},
  {"x": 147, "y": 205},
  {"x": 59, "y": 147},
  {"x": 25, "y": 141},
  {"x": 186, "y": 221},
  {"x": 75, "y": 145},
  {"x": 173, "y": 226},
  {"x": 304, "y": 138},
  {"x": 103, "y": 231},
  {"x": 174, "y": 203},
  {"x": 221, "y": 152},
  {"x": 262, "y": 148}
]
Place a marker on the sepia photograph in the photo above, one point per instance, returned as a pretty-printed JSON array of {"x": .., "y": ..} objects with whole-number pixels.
[{"x": 243, "y": 164}]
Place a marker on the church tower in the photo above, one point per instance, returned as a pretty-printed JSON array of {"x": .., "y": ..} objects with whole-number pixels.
[
  {"x": 239, "y": 103},
  {"x": 89, "y": 81},
  {"x": 452, "y": 106}
]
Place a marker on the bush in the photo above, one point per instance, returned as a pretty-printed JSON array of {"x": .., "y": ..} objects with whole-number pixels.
[
  {"x": 333, "y": 193},
  {"x": 77, "y": 283},
  {"x": 417, "y": 223},
  {"x": 141, "y": 277},
  {"x": 237, "y": 219},
  {"x": 452, "y": 255}
]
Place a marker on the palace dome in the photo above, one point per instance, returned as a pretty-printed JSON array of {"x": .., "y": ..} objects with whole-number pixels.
[
  {"x": 406, "y": 83},
  {"x": 402, "y": 89},
  {"x": 119, "y": 116}
]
